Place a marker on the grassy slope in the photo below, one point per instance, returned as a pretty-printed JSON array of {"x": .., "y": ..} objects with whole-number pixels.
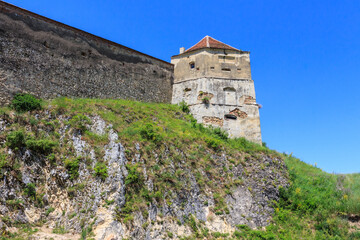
[{"x": 315, "y": 206}]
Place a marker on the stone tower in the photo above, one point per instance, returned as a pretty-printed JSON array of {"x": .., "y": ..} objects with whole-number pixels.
[{"x": 214, "y": 79}]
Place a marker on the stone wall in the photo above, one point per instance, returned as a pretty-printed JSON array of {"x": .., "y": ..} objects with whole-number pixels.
[
  {"x": 216, "y": 63},
  {"x": 50, "y": 59},
  {"x": 230, "y": 104}
]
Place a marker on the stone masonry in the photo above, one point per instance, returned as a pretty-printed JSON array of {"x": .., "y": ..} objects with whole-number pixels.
[
  {"x": 214, "y": 79},
  {"x": 50, "y": 59}
]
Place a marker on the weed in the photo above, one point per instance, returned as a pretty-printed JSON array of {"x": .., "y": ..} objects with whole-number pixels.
[
  {"x": 184, "y": 107},
  {"x": 100, "y": 170},
  {"x": 44, "y": 146},
  {"x": 72, "y": 165},
  {"x": 80, "y": 122},
  {"x": 15, "y": 139},
  {"x": 30, "y": 190},
  {"x": 49, "y": 210},
  {"x": 152, "y": 133}
]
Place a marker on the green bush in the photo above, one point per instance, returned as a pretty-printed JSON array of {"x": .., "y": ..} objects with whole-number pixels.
[
  {"x": 72, "y": 165},
  {"x": 23, "y": 102},
  {"x": 152, "y": 133},
  {"x": 15, "y": 139},
  {"x": 79, "y": 122},
  {"x": 213, "y": 143},
  {"x": 184, "y": 107},
  {"x": 50, "y": 210},
  {"x": 134, "y": 177},
  {"x": 3, "y": 161},
  {"x": 205, "y": 100},
  {"x": 30, "y": 190},
  {"x": 101, "y": 170},
  {"x": 43, "y": 146},
  {"x": 218, "y": 132}
]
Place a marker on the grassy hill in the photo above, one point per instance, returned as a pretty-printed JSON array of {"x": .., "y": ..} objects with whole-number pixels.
[{"x": 312, "y": 204}]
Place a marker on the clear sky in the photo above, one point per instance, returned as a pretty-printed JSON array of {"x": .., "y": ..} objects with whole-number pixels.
[{"x": 305, "y": 59}]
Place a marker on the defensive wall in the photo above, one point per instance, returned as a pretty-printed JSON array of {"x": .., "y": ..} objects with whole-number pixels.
[{"x": 50, "y": 59}]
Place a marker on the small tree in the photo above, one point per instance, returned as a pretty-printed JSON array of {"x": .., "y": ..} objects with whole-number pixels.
[{"x": 23, "y": 102}]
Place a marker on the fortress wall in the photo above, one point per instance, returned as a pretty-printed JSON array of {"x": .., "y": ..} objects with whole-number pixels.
[
  {"x": 226, "y": 96},
  {"x": 50, "y": 59}
]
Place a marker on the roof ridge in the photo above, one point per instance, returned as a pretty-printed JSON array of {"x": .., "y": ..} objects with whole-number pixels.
[
  {"x": 210, "y": 42},
  {"x": 223, "y": 43}
]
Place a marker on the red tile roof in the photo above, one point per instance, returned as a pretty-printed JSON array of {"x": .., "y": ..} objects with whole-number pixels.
[{"x": 209, "y": 42}]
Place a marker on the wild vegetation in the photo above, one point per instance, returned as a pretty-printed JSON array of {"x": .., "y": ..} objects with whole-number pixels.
[{"x": 315, "y": 205}]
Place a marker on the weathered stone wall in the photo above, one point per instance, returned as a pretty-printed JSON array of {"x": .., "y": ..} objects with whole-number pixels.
[
  {"x": 216, "y": 63},
  {"x": 50, "y": 59},
  {"x": 231, "y": 104}
]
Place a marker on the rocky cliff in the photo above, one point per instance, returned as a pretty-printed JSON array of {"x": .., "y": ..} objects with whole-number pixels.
[{"x": 106, "y": 169}]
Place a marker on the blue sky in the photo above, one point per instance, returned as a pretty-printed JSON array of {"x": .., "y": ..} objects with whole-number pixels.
[{"x": 305, "y": 59}]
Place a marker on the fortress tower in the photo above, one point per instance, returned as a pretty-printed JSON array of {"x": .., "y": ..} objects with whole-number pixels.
[{"x": 214, "y": 79}]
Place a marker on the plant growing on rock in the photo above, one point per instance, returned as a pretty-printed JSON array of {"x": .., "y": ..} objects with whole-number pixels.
[
  {"x": 23, "y": 102},
  {"x": 205, "y": 100},
  {"x": 30, "y": 190},
  {"x": 80, "y": 122},
  {"x": 15, "y": 139},
  {"x": 72, "y": 165},
  {"x": 101, "y": 170},
  {"x": 44, "y": 146}
]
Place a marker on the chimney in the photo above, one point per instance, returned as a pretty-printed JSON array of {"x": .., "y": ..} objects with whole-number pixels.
[{"x": 182, "y": 50}]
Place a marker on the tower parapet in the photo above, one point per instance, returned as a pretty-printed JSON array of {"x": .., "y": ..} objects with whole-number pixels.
[{"x": 214, "y": 79}]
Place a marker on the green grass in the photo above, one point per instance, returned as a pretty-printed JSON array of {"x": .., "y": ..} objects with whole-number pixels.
[
  {"x": 313, "y": 206},
  {"x": 316, "y": 204}
]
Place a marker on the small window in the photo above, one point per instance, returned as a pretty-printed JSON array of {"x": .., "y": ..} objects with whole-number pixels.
[
  {"x": 192, "y": 65},
  {"x": 187, "y": 89},
  {"x": 230, "y": 116},
  {"x": 212, "y": 68},
  {"x": 226, "y": 69}
]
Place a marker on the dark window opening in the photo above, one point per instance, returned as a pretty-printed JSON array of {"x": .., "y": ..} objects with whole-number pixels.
[
  {"x": 212, "y": 68},
  {"x": 230, "y": 116},
  {"x": 192, "y": 65},
  {"x": 226, "y": 69}
]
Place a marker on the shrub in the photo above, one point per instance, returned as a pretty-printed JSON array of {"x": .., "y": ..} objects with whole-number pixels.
[
  {"x": 25, "y": 102},
  {"x": 3, "y": 161},
  {"x": 50, "y": 210},
  {"x": 205, "y": 100},
  {"x": 44, "y": 146},
  {"x": 15, "y": 139},
  {"x": 72, "y": 165},
  {"x": 30, "y": 190},
  {"x": 150, "y": 132},
  {"x": 101, "y": 170},
  {"x": 184, "y": 107},
  {"x": 79, "y": 122},
  {"x": 134, "y": 177},
  {"x": 170, "y": 234},
  {"x": 218, "y": 132},
  {"x": 213, "y": 143}
]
